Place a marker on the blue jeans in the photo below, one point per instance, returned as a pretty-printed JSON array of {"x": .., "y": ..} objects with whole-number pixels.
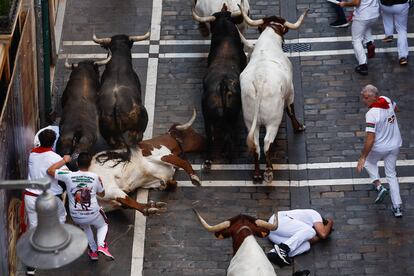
[{"x": 339, "y": 12}]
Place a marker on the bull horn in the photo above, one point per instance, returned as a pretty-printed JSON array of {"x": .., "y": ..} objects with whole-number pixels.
[
  {"x": 270, "y": 226},
  {"x": 248, "y": 20},
  {"x": 104, "y": 61},
  {"x": 215, "y": 228},
  {"x": 139, "y": 37},
  {"x": 244, "y": 40},
  {"x": 101, "y": 41},
  {"x": 189, "y": 123},
  {"x": 201, "y": 18},
  {"x": 70, "y": 66},
  {"x": 294, "y": 26}
]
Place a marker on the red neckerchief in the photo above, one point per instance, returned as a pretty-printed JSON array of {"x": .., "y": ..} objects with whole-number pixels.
[
  {"x": 380, "y": 103},
  {"x": 41, "y": 149}
]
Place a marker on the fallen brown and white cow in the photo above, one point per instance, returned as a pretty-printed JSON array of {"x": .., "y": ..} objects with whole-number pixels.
[
  {"x": 153, "y": 161},
  {"x": 266, "y": 87},
  {"x": 249, "y": 258}
]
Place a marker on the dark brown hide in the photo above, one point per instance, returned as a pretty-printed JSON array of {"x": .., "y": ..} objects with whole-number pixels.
[{"x": 241, "y": 226}]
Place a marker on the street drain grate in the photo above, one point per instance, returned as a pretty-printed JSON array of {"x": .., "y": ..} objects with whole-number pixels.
[{"x": 296, "y": 47}]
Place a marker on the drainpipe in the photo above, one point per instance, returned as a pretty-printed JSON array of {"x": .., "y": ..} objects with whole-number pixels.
[
  {"x": 41, "y": 8},
  {"x": 46, "y": 57}
]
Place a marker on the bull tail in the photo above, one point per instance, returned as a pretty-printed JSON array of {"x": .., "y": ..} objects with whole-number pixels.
[
  {"x": 250, "y": 137},
  {"x": 117, "y": 156}
]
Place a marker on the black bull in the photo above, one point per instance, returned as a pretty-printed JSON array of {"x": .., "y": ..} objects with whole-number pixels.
[
  {"x": 123, "y": 118},
  {"x": 221, "y": 100},
  {"x": 79, "y": 123}
]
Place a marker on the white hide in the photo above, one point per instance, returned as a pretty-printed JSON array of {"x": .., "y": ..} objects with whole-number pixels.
[
  {"x": 208, "y": 7},
  {"x": 250, "y": 260},
  {"x": 141, "y": 171},
  {"x": 266, "y": 86}
]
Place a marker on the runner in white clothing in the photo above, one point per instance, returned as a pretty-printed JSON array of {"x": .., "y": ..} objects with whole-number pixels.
[
  {"x": 297, "y": 230},
  {"x": 365, "y": 14},
  {"x": 41, "y": 158},
  {"x": 383, "y": 141},
  {"x": 82, "y": 187}
]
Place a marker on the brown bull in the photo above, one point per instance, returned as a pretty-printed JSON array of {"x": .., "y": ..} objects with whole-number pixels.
[{"x": 249, "y": 258}]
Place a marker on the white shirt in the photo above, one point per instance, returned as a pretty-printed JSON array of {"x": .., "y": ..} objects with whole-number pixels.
[
  {"x": 367, "y": 9},
  {"x": 38, "y": 165},
  {"x": 383, "y": 122},
  {"x": 36, "y": 141},
  {"x": 82, "y": 187},
  {"x": 308, "y": 216}
]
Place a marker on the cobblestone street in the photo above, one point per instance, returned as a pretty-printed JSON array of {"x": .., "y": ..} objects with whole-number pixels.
[{"x": 314, "y": 169}]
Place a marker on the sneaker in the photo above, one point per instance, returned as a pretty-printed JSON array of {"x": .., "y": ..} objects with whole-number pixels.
[
  {"x": 340, "y": 24},
  {"x": 382, "y": 192},
  {"x": 388, "y": 38},
  {"x": 104, "y": 250},
  {"x": 362, "y": 69},
  {"x": 371, "y": 50},
  {"x": 403, "y": 61},
  {"x": 274, "y": 258},
  {"x": 397, "y": 212},
  {"x": 282, "y": 251},
  {"x": 30, "y": 270},
  {"x": 93, "y": 255}
]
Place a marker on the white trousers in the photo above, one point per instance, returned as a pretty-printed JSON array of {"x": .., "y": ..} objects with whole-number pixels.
[
  {"x": 101, "y": 225},
  {"x": 30, "y": 208},
  {"x": 398, "y": 15},
  {"x": 294, "y": 233},
  {"x": 390, "y": 162},
  {"x": 361, "y": 34}
]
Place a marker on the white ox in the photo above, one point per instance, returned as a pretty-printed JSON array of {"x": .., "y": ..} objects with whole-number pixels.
[
  {"x": 209, "y": 7},
  {"x": 249, "y": 258},
  {"x": 266, "y": 87},
  {"x": 153, "y": 161}
]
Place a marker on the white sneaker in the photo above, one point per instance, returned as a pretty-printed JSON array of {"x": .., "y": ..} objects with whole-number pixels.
[{"x": 397, "y": 211}]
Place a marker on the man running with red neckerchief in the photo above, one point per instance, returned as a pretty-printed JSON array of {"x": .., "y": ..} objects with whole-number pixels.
[
  {"x": 382, "y": 142},
  {"x": 40, "y": 159}
]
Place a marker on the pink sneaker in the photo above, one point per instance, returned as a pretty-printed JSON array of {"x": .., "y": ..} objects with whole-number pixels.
[
  {"x": 104, "y": 250},
  {"x": 93, "y": 255}
]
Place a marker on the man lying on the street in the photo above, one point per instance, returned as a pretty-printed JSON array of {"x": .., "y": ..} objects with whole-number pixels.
[{"x": 297, "y": 230}]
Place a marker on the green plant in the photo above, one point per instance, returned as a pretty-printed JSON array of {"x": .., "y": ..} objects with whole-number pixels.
[{"x": 5, "y": 7}]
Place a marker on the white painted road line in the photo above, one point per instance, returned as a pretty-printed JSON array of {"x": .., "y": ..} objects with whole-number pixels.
[
  {"x": 204, "y": 55},
  {"x": 290, "y": 183},
  {"x": 207, "y": 41},
  {"x": 296, "y": 167},
  {"x": 138, "y": 244}
]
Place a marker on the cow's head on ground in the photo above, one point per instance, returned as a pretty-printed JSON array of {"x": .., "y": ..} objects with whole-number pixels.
[
  {"x": 188, "y": 139},
  {"x": 238, "y": 228}
]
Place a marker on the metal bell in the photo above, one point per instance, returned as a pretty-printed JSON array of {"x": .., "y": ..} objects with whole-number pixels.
[{"x": 51, "y": 244}]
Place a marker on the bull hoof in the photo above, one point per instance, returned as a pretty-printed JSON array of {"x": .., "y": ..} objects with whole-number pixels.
[
  {"x": 157, "y": 204},
  {"x": 207, "y": 165},
  {"x": 257, "y": 179},
  {"x": 152, "y": 211},
  {"x": 195, "y": 180},
  {"x": 268, "y": 176},
  {"x": 299, "y": 129}
]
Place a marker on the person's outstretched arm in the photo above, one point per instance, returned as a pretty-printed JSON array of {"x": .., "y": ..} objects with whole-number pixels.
[{"x": 52, "y": 169}]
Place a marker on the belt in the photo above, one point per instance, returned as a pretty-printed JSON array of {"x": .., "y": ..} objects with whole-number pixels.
[{"x": 36, "y": 195}]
